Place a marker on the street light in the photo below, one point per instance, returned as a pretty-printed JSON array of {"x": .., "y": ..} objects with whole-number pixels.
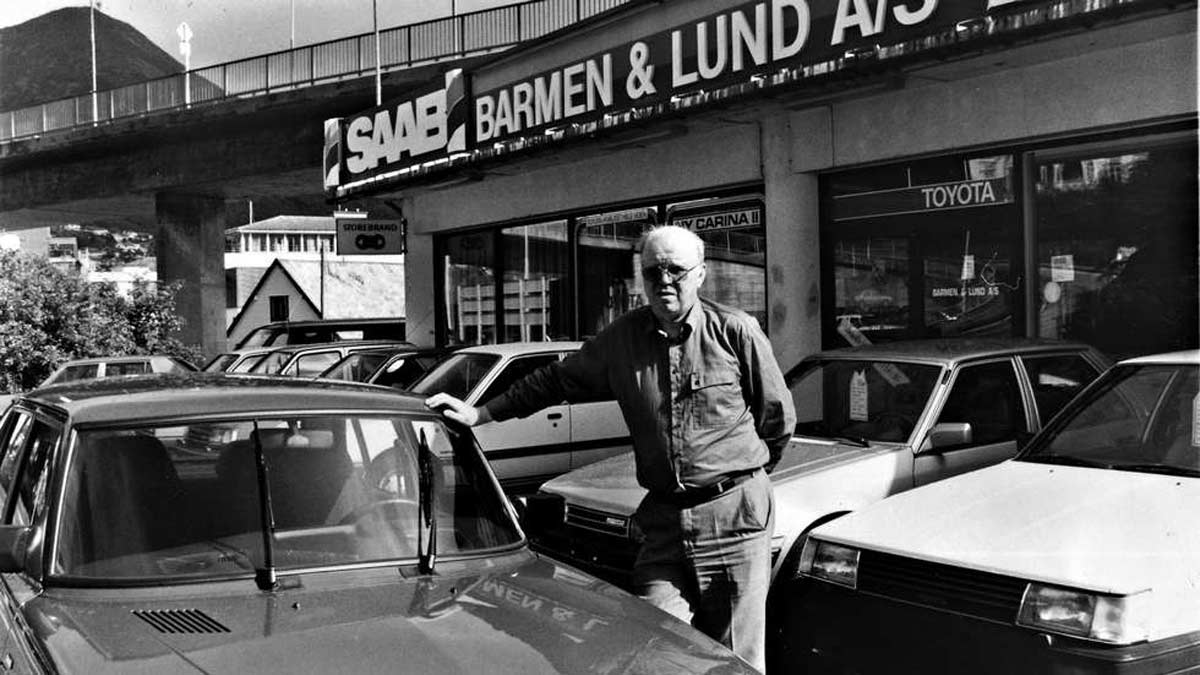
[
  {"x": 95, "y": 99},
  {"x": 378, "y": 73},
  {"x": 184, "y": 32}
]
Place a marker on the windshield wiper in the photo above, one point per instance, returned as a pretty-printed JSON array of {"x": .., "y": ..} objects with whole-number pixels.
[
  {"x": 853, "y": 440},
  {"x": 1166, "y": 469},
  {"x": 1067, "y": 460},
  {"x": 427, "y": 537},
  {"x": 264, "y": 576}
]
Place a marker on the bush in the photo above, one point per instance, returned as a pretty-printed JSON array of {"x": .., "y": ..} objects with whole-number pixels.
[{"x": 48, "y": 316}]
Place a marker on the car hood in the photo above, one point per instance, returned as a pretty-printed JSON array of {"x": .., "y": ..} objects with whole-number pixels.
[
  {"x": 524, "y": 614},
  {"x": 1108, "y": 531},
  {"x": 610, "y": 485}
]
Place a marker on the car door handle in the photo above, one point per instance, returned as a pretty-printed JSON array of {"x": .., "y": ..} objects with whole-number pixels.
[{"x": 554, "y": 416}]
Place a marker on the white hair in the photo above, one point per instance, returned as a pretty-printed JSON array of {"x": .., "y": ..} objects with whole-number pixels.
[{"x": 659, "y": 231}]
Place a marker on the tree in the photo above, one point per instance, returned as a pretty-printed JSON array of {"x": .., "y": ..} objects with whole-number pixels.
[{"x": 48, "y": 316}]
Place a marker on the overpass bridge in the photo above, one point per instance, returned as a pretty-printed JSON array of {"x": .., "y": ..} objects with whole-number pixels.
[{"x": 170, "y": 155}]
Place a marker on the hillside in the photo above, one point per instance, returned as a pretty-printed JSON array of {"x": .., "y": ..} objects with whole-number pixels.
[{"x": 49, "y": 57}]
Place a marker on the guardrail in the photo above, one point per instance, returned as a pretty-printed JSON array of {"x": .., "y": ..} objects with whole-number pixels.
[{"x": 457, "y": 36}]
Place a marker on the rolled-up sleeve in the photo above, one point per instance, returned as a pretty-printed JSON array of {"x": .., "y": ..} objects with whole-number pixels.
[{"x": 579, "y": 377}]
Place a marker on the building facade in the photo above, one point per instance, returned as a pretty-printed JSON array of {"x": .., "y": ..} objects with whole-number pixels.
[{"x": 859, "y": 172}]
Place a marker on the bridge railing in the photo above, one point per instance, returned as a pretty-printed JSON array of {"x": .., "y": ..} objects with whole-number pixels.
[{"x": 401, "y": 47}]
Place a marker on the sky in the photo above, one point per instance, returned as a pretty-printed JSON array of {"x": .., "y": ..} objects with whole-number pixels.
[{"x": 228, "y": 30}]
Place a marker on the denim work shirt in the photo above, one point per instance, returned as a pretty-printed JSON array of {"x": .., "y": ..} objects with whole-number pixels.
[{"x": 711, "y": 403}]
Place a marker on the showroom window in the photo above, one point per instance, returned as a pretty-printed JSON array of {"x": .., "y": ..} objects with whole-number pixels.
[
  {"x": 569, "y": 277},
  {"x": 928, "y": 249},
  {"x": 1116, "y": 248}
]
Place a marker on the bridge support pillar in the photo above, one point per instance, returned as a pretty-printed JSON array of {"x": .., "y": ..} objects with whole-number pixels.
[{"x": 191, "y": 248}]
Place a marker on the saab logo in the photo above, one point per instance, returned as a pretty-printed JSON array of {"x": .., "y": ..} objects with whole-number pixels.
[
  {"x": 332, "y": 159},
  {"x": 360, "y": 236}
]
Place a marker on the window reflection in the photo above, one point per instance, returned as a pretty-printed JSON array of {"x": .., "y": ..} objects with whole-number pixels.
[
  {"x": 1117, "y": 248},
  {"x": 607, "y": 260},
  {"x": 536, "y": 291},
  {"x": 469, "y": 301}
]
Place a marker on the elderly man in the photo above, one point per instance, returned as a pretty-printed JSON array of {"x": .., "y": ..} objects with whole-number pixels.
[{"x": 709, "y": 414}]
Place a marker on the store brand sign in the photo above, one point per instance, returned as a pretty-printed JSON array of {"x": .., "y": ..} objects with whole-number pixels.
[{"x": 923, "y": 198}]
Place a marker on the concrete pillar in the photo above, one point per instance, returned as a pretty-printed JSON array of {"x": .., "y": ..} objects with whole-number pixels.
[
  {"x": 793, "y": 251},
  {"x": 191, "y": 248}
]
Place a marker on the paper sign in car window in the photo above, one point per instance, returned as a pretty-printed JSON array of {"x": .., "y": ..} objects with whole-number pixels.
[
  {"x": 1062, "y": 267},
  {"x": 1196, "y": 422},
  {"x": 858, "y": 396}
]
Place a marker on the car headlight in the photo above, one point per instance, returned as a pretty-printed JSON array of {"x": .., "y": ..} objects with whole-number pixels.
[
  {"x": 830, "y": 562},
  {"x": 1119, "y": 619}
]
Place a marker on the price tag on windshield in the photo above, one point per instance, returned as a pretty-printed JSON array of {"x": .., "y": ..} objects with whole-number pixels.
[{"x": 858, "y": 396}]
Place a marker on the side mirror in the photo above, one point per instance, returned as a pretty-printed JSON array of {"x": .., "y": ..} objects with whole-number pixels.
[
  {"x": 950, "y": 434},
  {"x": 12, "y": 547}
]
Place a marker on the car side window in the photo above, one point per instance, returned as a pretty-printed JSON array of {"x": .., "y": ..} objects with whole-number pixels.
[
  {"x": 515, "y": 370},
  {"x": 987, "y": 397},
  {"x": 80, "y": 372},
  {"x": 311, "y": 365},
  {"x": 32, "y": 477},
  {"x": 12, "y": 437},
  {"x": 1056, "y": 379},
  {"x": 139, "y": 368}
]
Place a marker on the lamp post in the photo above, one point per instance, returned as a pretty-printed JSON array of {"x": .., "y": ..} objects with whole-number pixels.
[
  {"x": 378, "y": 73},
  {"x": 92, "y": 31},
  {"x": 184, "y": 32}
]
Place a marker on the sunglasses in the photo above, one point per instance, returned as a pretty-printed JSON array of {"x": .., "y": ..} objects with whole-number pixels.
[{"x": 674, "y": 273}]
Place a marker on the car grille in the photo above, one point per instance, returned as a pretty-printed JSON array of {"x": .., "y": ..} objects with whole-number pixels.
[
  {"x": 180, "y": 621},
  {"x": 983, "y": 595},
  {"x": 597, "y": 521}
]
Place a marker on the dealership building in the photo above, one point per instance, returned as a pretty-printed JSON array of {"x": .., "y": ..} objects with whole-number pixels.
[{"x": 860, "y": 170}]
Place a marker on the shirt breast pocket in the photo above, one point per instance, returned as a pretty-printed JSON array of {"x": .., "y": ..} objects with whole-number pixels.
[{"x": 717, "y": 398}]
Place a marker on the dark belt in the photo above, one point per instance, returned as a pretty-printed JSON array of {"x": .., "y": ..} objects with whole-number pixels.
[{"x": 694, "y": 496}]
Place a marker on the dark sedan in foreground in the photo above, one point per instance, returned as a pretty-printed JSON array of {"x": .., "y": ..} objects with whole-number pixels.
[{"x": 309, "y": 526}]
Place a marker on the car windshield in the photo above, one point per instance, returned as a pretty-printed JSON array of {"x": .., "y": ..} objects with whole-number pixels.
[
  {"x": 272, "y": 363},
  {"x": 458, "y": 375},
  {"x": 220, "y": 362},
  {"x": 861, "y": 400},
  {"x": 355, "y": 367},
  {"x": 247, "y": 364},
  {"x": 1138, "y": 418},
  {"x": 182, "y": 502},
  {"x": 263, "y": 336}
]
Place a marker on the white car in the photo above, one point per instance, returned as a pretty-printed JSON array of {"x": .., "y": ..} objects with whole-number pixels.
[
  {"x": 1082, "y": 554},
  {"x": 526, "y": 452}
]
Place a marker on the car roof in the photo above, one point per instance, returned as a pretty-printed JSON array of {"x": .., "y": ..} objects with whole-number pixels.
[
  {"x": 141, "y": 397},
  {"x": 1183, "y": 357},
  {"x": 332, "y": 322},
  {"x": 948, "y": 351},
  {"x": 136, "y": 358},
  {"x": 318, "y": 346},
  {"x": 518, "y": 348}
]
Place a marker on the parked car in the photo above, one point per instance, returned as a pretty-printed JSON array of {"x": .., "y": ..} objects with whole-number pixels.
[
  {"x": 525, "y": 452},
  {"x": 123, "y": 549},
  {"x": 280, "y": 333},
  {"x": 872, "y": 421},
  {"x": 1080, "y": 555},
  {"x": 310, "y": 360},
  {"x": 236, "y": 361},
  {"x": 114, "y": 366},
  {"x": 397, "y": 367}
]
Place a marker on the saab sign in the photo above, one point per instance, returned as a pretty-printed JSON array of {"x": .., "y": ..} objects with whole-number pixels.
[{"x": 362, "y": 236}]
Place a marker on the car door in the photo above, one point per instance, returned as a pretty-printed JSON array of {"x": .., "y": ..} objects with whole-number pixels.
[
  {"x": 27, "y": 444},
  {"x": 598, "y": 430},
  {"x": 525, "y": 452},
  {"x": 988, "y": 397}
]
